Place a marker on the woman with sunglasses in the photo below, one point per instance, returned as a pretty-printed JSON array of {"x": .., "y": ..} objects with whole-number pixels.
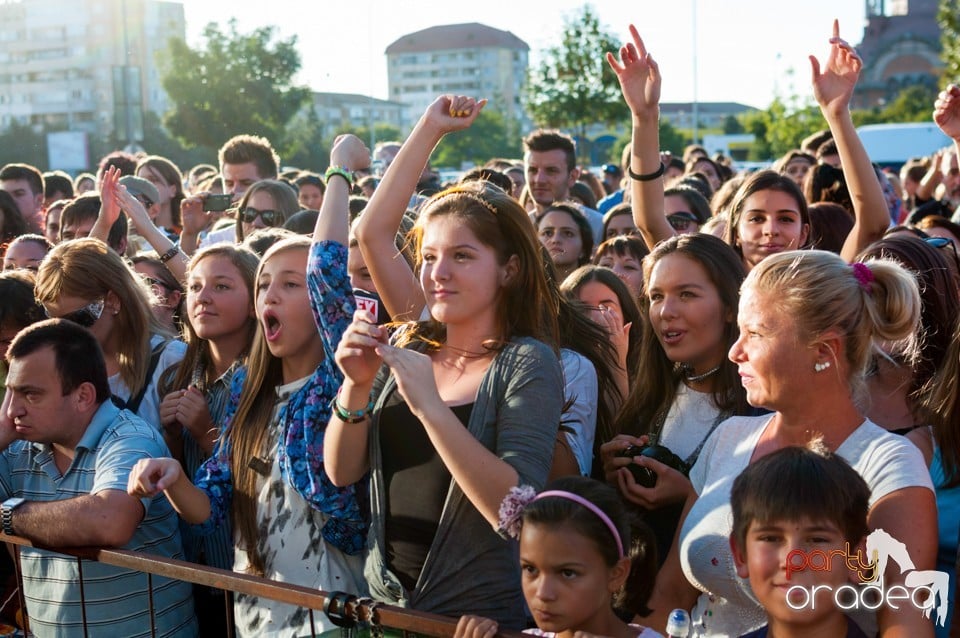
[
  {"x": 266, "y": 204},
  {"x": 85, "y": 281}
]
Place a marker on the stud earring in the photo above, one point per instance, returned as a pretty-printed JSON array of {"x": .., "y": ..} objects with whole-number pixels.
[{"x": 821, "y": 366}]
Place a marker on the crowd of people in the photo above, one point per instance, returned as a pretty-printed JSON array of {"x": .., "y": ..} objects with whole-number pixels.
[{"x": 536, "y": 399}]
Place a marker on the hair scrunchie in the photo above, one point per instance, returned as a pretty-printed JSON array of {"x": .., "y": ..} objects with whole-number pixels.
[{"x": 864, "y": 275}]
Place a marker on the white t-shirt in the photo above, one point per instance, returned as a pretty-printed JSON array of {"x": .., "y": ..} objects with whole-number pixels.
[
  {"x": 579, "y": 421},
  {"x": 691, "y": 416},
  {"x": 727, "y": 607},
  {"x": 149, "y": 409}
]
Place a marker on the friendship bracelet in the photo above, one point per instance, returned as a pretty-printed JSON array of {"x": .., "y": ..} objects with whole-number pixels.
[
  {"x": 342, "y": 172},
  {"x": 349, "y": 416},
  {"x": 649, "y": 177}
]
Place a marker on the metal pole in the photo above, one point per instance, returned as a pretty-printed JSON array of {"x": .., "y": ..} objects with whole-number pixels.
[{"x": 696, "y": 117}]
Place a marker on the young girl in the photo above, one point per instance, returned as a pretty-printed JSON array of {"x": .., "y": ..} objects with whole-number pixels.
[
  {"x": 165, "y": 175},
  {"x": 467, "y": 407},
  {"x": 266, "y": 204},
  {"x": 87, "y": 282},
  {"x": 624, "y": 256},
  {"x": 578, "y": 551},
  {"x": 292, "y": 523},
  {"x": 565, "y": 232}
]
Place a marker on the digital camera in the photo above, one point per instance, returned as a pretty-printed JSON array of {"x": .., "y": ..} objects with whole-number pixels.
[{"x": 646, "y": 477}]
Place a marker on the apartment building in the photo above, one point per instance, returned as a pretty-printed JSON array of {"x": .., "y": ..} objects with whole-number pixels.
[
  {"x": 467, "y": 59},
  {"x": 338, "y": 111},
  {"x": 84, "y": 65}
]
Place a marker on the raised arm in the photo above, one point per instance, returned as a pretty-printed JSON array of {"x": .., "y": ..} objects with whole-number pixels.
[
  {"x": 639, "y": 78},
  {"x": 833, "y": 87},
  {"x": 350, "y": 154},
  {"x": 173, "y": 258},
  {"x": 375, "y": 231},
  {"x": 946, "y": 114}
]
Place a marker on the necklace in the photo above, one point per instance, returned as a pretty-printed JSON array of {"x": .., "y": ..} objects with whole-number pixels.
[
  {"x": 694, "y": 378},
  {"x": 467, "y": 354}
]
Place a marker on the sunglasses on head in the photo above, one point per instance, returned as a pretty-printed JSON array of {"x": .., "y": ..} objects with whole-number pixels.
[
  {"x": 269, "y": 217},
  {"x": 943, "y": 242},
  {"x": 86, "y": 316}
]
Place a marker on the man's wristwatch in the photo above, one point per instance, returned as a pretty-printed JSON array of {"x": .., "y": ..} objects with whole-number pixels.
[{"x": 6, "y": 513}]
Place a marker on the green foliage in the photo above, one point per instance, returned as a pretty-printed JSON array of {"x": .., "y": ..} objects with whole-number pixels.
[
  {"x": 486, "y": 138},
  {"x": 781, "y": 127},
  {"x": 157, "y": 141},
  {"x": 303, "y": 144},
  {"x": 235, "y": 83},
  {"x": 732, "y": 126},
  {"x": 574, "y": 86},
  {"x": 671, "y": 139},
  {"x": 912, "y": 104},
  {"x": 948, "y": 18}
]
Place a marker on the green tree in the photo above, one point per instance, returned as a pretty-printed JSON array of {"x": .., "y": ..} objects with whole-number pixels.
[
  {"x": 574, "y": 86},
  {"x": 303, "y": 145},
  {"x": 234, "y": 83},
  {"x": 20, "y": 143},
  {"x": 949, "y": 19},
  {"x": 781, "y": 127},
  {"x": 732, "y": 126},
  {"x": 486, "y": 138},
  {"x": 912, "y": 104}
]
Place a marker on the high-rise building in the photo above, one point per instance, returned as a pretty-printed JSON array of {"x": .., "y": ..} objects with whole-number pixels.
[
  {"x": 465, "y": 59},
  {"x": 84, "y": 65}
]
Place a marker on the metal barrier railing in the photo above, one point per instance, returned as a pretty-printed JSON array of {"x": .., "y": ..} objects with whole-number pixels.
[{"x": 342, "y": 607}]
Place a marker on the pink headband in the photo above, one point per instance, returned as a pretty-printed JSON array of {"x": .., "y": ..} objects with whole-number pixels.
[{"x": 511, "y": 510}]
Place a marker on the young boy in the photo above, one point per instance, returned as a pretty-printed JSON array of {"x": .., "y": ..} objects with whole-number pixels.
[{"x": 797, "y": 515}]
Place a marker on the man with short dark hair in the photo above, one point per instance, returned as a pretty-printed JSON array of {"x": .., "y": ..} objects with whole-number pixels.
[
  {"x": 550, "y": 160},
  {"x": 80, "y": 215},
  {"x": 57, "y": 185},
  {"x": 67, "y": 451},
  {"x": 244, "y": 160},
  {"x": 24, "y": 183}
]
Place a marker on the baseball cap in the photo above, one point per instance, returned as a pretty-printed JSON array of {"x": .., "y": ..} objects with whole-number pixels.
[{"x": 139, "y": 187}]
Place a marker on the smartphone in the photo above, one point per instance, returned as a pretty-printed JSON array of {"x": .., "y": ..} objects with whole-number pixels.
[{"x": 217, "y": 203}]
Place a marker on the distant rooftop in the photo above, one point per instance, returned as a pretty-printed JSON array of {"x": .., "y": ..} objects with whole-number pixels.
[
  {"x": 352, "y": 98},
  {"x": 705, "y": 107},
  {"x": 456, "y": 36}
]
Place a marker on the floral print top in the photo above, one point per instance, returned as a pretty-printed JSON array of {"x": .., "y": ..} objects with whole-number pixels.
[{"x": 303, "y": 422}]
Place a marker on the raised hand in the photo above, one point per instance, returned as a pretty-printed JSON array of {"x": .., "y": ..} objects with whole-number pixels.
[
  {"x": 192, "y": 215},
  {"x": 134, "y": 208},
  {"x": 356, "y": 353},
  {"x": 450, "y": 113},
  {"x": 946, "y": 113},
  {"x": 350, "y": 152},
  {"x": 414, "y": 374},
  {"x": 638, "y": 74},
  {"x": 109, "y": 189},
  {"x": 833, "y": 85}
]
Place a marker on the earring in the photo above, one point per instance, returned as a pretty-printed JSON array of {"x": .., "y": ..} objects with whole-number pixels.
[{"x": 821, "y": 366}]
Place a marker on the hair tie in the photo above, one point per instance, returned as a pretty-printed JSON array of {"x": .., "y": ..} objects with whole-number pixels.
[
  {"x": 864, "y": 275},
  {"x": 517, "y": 499}
]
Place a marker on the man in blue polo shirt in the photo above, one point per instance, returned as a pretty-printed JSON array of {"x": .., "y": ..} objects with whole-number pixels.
[{"x": 66, "y": 453}]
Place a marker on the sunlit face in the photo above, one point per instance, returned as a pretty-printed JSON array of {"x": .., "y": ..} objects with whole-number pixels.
[
  {"x": 357, "y": 269},
  {"x": 310, "y": 197},
  {"x": 770, "y": 354},
  {"x": 708, "y": 171},
  {"x": 566, "y": 582},
  {"x": 796, "y": 169},
  {"x": 166, "y": 190},
  {"x": 218, "y": 302},
  {"x": 950, "y": 169},
  {"x": 678, "y": 213},
  {"x": 237, "y": 178},
  {"x": 24, "y": 254},
  {"x": 51, "y": 229},
  {"x": 286, "y": 318},
  {"x": 548, "y": 176},
  {"x": 621, "y": 225},
  {"x": 686, "y": 312},
  {"x": 34, "y": 402},
  {"x": 764, "y": 562},
  {"x": 77, "y": 229},
  {"x": 627, "y": 268},
  {"x": 261, "y": 200},
  {"x": 461, "y": 277},
  {"x": 770, "y": 222},
  {"x": 29, "y": 203},
  {"x": 560, "y": 235}
]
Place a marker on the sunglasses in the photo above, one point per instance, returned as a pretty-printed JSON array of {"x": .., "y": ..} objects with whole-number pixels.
[
  {"x": 943, "y": 242},
  {"x": 269, "y": 217},
  {"x": 86, "y": 316},
  {"x": 157, "y": 282},
  {"x": 680, "y": 222}
]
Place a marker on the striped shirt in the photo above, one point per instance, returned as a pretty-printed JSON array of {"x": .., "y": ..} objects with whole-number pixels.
[{"x": 117, "y": 599}]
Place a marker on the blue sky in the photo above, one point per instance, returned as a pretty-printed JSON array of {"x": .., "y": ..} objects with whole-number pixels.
[{"x": 746, "y": 49}]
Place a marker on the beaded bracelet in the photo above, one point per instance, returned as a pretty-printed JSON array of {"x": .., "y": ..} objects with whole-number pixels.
[
  {"x": 342, "y": 172},
  {"x": 649, "y": 177},
  {"x": 349, "y": 416}
]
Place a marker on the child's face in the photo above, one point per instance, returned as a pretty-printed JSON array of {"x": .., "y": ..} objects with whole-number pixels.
[
  {"x": 816, "y": 553},
  {"x": 566, "y": 582}
]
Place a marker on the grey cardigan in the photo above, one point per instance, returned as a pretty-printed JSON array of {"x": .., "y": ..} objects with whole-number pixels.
[{"x": 469, "y": 568}]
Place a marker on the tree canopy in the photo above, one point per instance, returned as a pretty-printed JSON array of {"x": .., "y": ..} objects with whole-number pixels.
[
  {"x": 234, "y": 83},
  {"x": 948, "y": 18},
  {"x": 574, "y": 86}
]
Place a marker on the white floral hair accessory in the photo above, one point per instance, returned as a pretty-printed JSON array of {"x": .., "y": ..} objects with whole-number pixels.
[{"x": 511, "y": 509}]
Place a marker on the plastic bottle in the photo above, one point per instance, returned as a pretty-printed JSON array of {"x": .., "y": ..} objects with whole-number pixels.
[{"x": 678, "y": 624}]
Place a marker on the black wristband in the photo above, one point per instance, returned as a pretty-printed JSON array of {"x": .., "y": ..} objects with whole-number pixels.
[{"x": 649, "y": 177}]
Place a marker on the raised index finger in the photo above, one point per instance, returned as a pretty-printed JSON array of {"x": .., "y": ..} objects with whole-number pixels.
[{"x": 638, "y": 42}]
